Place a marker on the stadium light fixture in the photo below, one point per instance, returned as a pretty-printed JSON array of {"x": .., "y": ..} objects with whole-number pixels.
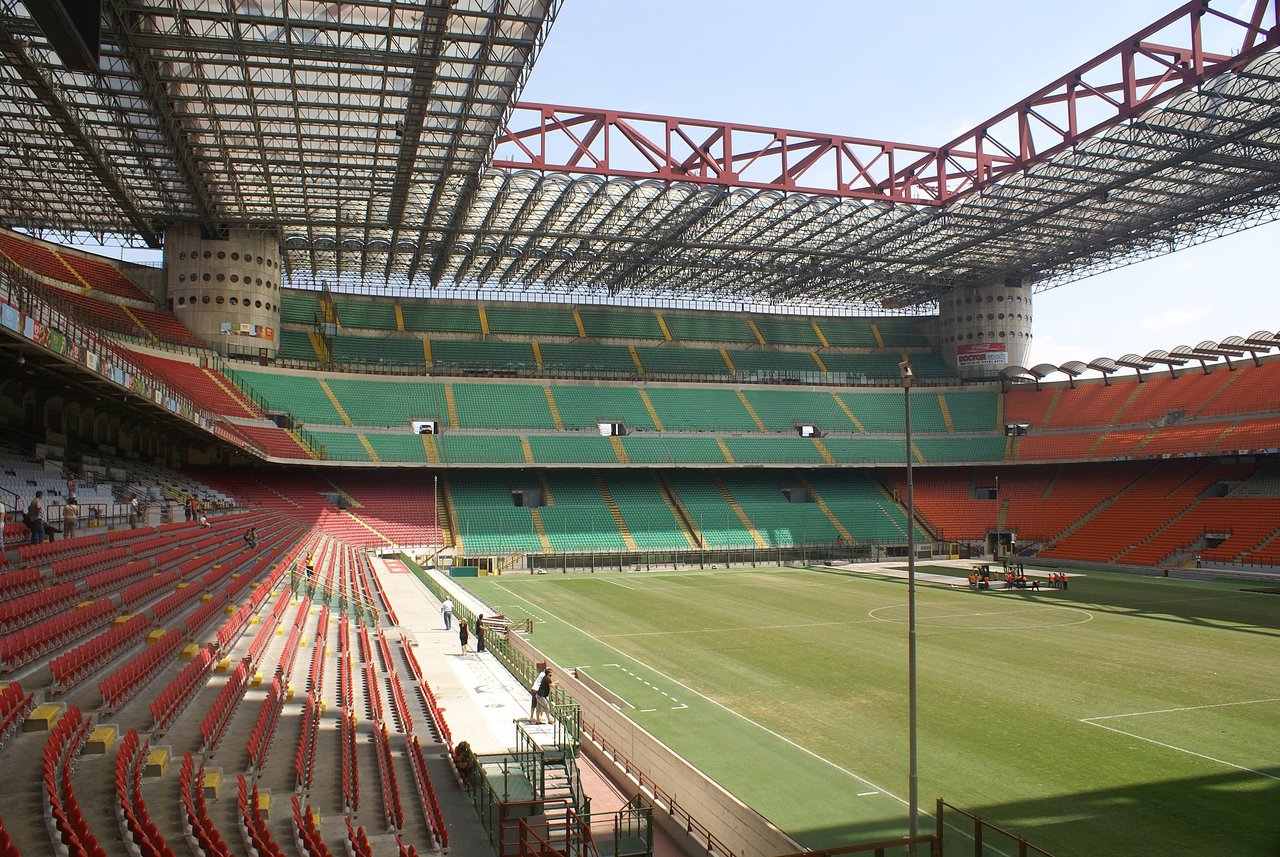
[{"x": 913, "y": 790}]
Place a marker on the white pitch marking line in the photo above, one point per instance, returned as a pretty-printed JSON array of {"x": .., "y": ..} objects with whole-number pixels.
[
  {"x": 1181, "y": 750},
  {"x": 739, "y": 715},
  {"x": 1186, "y": 708},
  {"x": 867, "y": 794}
]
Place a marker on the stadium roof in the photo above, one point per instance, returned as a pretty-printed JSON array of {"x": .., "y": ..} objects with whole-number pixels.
[{"x": 381, "y": 143}]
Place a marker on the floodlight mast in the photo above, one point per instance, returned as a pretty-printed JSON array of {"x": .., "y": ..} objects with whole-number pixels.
[{"x": 913, "y": 789}]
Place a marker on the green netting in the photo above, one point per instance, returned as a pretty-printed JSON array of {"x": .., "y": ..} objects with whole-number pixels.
[
  {"x": 780, "y": 410},
  {"x": 532, "y": 319},
  {"x": 378, "y": 313},
  {"x": 785, "y": 330},
  {"x": 433, "y": 316},
  {"x": 707, "y": 409},
  {"x": 299, "y": 307},
  {"x": 300, "y": 395},
  {"x": 470, "y": 354},
  {"x": 582, "y": 407},
  {"x": 773, "y": 450},
  {"x": 607, "y": 323},
  {"x": 502, "y": 406},
  {"x": 575, "y": 356},
  {"x": 709, "y": 327},
  {"x": 686, "y": 361},
  {"x": 391, "y": 350},
  {"x": 342, "y": 446},
  {"x": 581, "y": 448},
  {"x": 480, "y": 448},
  {"x": 390, "y": 403}
]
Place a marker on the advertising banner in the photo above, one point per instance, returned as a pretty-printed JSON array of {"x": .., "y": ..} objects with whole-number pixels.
[{"x": 982, "y": 354}]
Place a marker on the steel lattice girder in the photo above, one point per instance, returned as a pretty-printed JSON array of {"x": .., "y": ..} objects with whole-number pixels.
[{"x": 1114, "y": 87}]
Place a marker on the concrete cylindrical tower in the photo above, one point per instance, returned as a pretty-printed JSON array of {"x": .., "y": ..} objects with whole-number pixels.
[
  {"x": 227, "y": 291},
  {"x": 986, "y": 327}
]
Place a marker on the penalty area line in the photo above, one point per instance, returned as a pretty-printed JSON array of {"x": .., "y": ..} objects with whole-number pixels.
[
  {"x": 1180, "y": 749},
  {"x": 731, "y": 711}
]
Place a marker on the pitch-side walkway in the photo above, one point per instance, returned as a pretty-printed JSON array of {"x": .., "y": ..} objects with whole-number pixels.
[{"x": 481, "y": 700}]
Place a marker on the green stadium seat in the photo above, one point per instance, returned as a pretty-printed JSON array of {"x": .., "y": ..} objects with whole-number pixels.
[
  {"x": 428, "y": 316},
  {"x": 582, "y": 407},
  {"x": 618, "y": 323},
  {"x": 577, "y": 448},
  {"x": 390, "y": 350},
  {"x": 342, "y": 446},
  {"x": 389, "y": 403},
  {"x": 299, "y": 307},
  {"x": 709, "y": 327},
  {"x": 502, "y": 406},
  {"x": 397, "y": 447},
  {"x": 300, "y": 395},
  {"x": 371, "y": 313},
  {"x": 296, "y": 345},
  {"x": 587, "y": 358},
  {"x": 786, "y": 330},
  {"x": 531, "y": 319},
  {"x": 705, "y": 409},
  {"x": 470, "y": 355},
  {"x": 773, "y": 450},
  {"x": 456, "y": 448},
  {"x": 685, "y": 362}
]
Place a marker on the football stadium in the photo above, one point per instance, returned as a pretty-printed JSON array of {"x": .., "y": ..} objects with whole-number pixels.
[{"x": 609, "y": 483}]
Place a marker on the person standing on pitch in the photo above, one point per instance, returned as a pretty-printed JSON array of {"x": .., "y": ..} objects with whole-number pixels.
[{"x": 446, "y": 610}]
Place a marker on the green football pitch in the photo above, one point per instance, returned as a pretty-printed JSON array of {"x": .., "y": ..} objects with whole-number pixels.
[{"x": 1126, "y": 715}]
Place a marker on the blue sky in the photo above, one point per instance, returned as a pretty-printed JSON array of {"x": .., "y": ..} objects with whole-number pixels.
[{"x": 918, "y": 71}]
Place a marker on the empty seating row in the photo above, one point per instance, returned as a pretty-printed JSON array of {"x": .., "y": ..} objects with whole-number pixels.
[
  {"x": 120, "y": 686},
  {"x": 195, "y": 811},
  {"x": 136, "y": 825},
  {"x": 75, "y": 664},
  {"x": 174, "y": 698},
  {"x": 22, "y": 647},
  {"x": 61, "y": 750},
  {"x": 15, "y": 705}
]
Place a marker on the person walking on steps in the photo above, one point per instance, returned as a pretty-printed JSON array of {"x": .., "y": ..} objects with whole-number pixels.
[
  {"x": 446, "y": 610},
  {"x": 541, "y": 695}
]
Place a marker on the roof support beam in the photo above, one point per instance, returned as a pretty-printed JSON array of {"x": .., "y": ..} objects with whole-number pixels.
[
  {"x": 1114, "y": 87},
  {"x": 140, "y": 63},
  {"x": 16, "y": 55}
]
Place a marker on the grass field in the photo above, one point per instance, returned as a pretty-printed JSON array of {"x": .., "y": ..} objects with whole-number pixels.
[{"x": 1127, "y": 715}]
